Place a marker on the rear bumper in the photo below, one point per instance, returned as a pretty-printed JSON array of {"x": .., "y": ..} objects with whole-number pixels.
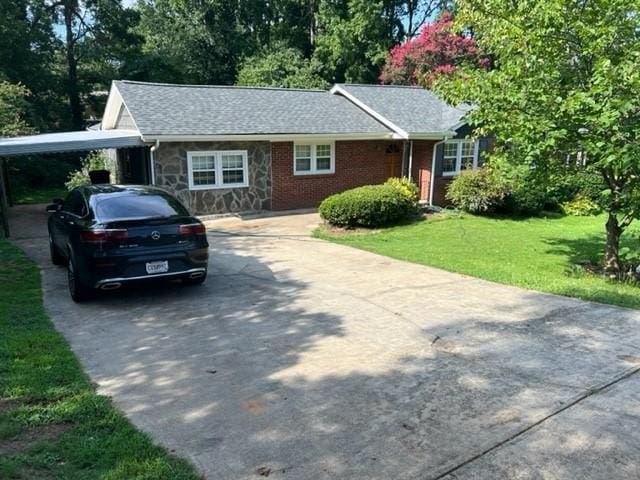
[{"x": 113, "y": 283}]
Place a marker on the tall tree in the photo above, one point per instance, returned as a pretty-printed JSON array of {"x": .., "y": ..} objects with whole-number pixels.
[
  {"x": 90, "y": 30},
  {"x": 193, "y": 41},
  {"x": 438, "y": 49},
  {"x": 27, "y": 56},
  {"x": 13, "y": 108},
  {"x": 280, "y": 66},
  {"x": 566, "y": 79},
  {"x": 353, "y": 37}
]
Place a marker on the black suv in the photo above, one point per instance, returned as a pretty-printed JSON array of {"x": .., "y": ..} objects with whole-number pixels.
[{"x": 109, "y": 235}]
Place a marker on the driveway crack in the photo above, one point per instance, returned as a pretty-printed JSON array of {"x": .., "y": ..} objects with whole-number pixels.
[{"x": 588, "y": 393}]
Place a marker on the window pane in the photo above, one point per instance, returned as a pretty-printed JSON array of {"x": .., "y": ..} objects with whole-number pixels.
[
  {"x": 450, "y": 149},
  {"x": 303, "y": 151},
  {"x": 203, "y": 162},
  {"x": 204, "y": 178},
  {"x": 232, "y": 176},
  {"x": 131, "y": 206},
  {"x": 467, "y": 149},
  {"x": 303, "y": 164},
  {"x": 323, "y": 150},
  {"x": 232, "y": 161},
  {"x": 449, "y": 165},
  {"x": 323, "y": 163}
]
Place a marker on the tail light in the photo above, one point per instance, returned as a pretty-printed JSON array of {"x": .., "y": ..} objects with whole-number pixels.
[
  {"x": 192, "y": 229},
  {"x": 101, "y": 236}
]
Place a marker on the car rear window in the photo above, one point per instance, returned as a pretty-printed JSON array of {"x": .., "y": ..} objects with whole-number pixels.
[{"x": 136, "y": 206}]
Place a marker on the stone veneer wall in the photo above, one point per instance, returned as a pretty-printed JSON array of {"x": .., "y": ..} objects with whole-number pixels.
[{"x": 172, "y": 174}]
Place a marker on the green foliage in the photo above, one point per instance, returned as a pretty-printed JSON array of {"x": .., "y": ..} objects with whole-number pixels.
[
  {"x": 477, "y": 191},
  {"x": 13, "y": 107},
  {"x": 368, "y": 206},
  {"x": 42, "y": 386},
  {"x": 580, "y": 206},
  {"x": 29, "y": 173},
  {"x": 560, "y": 87},
  {"x": 406, "y": 187},
  {"x": 281, "y": 67},
  {"x": 94, "y": 161}
]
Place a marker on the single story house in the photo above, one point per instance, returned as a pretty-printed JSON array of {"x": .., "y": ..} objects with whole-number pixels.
[{"x": 223, "y": 149}]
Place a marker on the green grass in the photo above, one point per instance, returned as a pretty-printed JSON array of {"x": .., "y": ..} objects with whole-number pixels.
[
  {"x": 28, "y": 195},
  {"x": 541, "y": 253},
  {"x": 52, "y": 422}
]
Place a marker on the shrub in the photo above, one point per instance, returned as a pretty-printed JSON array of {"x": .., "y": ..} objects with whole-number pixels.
[
  {"x": 94, "y": 161},
  {"x": 477, "y": 191},
  {"x": 580, "y": 206},
  {"x": 41, "y": 171},
  {"x": 406, "y": 187},
  {"x": 368, "y": 206},
  {"x": 525, "y": 199}
]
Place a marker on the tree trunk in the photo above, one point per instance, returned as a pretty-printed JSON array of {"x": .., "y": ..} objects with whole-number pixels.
[
  {"x": 612, "y": 250},
  {"x": 73, "y": 90}
]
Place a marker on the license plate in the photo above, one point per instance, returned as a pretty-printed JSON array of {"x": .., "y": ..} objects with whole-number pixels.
[{"x": 157, "y": 267}]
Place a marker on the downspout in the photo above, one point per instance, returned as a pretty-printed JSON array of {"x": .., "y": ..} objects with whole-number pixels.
[
  {"x": 432, "y": 178},
  {"x": 410, "y": 160},
  {"x": 153, "y": 162}
]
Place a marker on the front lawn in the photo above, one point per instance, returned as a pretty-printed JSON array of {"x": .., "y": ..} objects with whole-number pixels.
[
  {"x": 52, "y": 422},
  {"x": 541, "y": 253}
]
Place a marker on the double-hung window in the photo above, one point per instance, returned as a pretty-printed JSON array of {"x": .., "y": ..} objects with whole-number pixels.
[
  {"x": 459, "y": 155},
  {"x": 313, "y": 159},
  {"x": 217, "y": 169}
]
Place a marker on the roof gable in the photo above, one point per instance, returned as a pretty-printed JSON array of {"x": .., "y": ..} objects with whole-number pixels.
[{"x": 409, "y": 111}]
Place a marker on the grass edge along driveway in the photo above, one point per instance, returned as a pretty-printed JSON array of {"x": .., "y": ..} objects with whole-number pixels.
[
  {"x": 539, "y": 253},
  {"x": 52, "y": 422}
]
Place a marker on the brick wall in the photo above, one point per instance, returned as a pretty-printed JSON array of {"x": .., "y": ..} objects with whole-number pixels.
[
  {"x": 358, "y": 162},
  {"x": 440, "y": 190}
]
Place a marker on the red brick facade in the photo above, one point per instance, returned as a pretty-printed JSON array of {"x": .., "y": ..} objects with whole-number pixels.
[{"x": 357, "y": 162}]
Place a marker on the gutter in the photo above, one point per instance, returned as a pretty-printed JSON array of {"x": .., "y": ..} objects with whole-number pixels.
[{"x": 432, "y": 180}]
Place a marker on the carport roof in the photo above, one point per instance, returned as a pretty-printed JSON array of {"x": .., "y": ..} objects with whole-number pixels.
[{"x": 69, "y": 141}]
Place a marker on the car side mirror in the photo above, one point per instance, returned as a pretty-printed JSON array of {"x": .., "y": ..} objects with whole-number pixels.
[{"x": 54, "y": 207}]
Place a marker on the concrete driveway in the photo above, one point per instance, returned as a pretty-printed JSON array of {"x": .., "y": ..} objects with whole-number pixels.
[{"x": 300, "y": 359}]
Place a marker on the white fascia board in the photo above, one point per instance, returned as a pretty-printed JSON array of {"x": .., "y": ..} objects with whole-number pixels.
[
  {"x": 337, "y": 89},
  {"x": 431, "y": 136},
  {"x": 269, "y": 137}
]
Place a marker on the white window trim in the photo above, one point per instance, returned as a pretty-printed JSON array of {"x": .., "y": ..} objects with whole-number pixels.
[
  {"x": 459, "y": 143},
  {"x": 218, "y": 156},
  {"x": 314, "y": 170}
]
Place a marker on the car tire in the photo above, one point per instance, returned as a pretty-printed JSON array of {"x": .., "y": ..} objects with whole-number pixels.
[
  {"x": 78, "y": 290},
  {"x": 195, "y": 281},
  {"x": 56, "y": 257}
]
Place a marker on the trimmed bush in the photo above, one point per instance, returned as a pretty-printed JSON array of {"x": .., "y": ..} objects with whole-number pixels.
[
  {"x": 580, "y": 206},
  {"x": 406, "y": 187},
  {"x": 477, "y": 191},
  {"x": 368, "y": 206}
]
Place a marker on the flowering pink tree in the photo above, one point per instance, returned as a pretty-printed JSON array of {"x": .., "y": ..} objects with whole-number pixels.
[{"x": 436, "y": 50}]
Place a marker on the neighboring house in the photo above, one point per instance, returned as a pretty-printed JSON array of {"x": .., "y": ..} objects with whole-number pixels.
[{"x": 232, "y": 149}]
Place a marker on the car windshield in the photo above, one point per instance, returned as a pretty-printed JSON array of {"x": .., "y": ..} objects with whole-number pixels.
[{"x": 136, "y": 206}]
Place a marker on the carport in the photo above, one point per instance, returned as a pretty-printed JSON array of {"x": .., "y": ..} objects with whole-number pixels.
[{"x": 128, "y": 145}]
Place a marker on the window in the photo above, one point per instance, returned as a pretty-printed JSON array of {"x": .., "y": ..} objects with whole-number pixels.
[
  {"x": 217, "y": 169},
  {"x": 75, "y": 204},
  {"x": 310, "y": 159},
  {"x": 134, "y": 206},
  {"x": 459, "y": 155}
]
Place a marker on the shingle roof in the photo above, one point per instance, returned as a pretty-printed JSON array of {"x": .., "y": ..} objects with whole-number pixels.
[
  {"x": 412, "y": 109},
  {"x": 164, "y": 109}
]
